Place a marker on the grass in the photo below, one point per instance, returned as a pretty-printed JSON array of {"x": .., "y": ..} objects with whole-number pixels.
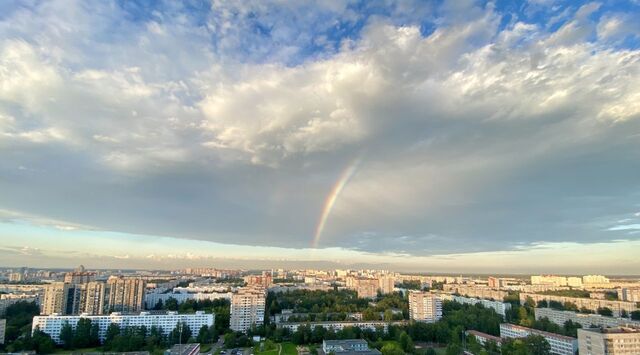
[
  {"x": 288, "y": 349},
  {"x": 78, "y": 351}
]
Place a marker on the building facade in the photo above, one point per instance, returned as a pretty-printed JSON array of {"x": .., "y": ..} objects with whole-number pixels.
[
  {"x": 126, "y": 295},
  {"x": 425, "y": 306},
  {"x": 560, "y": 344},
  {"x": 337, "y": 326},
  {"x": 589, "y": 303},
  {"x": 500, "y": 307},
  {"x": 247, "y": 308},
  {"x": 585, "y": 320},
  {"x": 52, "y": 324},
  {"x": 609, "y": 341}
]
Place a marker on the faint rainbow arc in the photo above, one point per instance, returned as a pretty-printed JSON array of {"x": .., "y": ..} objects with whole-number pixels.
[{"x": 331, "y": 199}]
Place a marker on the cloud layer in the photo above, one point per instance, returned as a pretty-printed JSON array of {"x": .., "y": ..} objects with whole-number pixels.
[{"x": 488, "y": 131}]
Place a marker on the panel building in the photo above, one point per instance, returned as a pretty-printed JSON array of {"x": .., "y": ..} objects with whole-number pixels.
[
  {"x": 560, "y": 344},
  {"x": 425, "y": 306},
  {"x": 610, "y": 341},
  {"x": 126, "y": 295},
  {"x": 52, "y": 324},
  {"x": 247, "y": 308}
]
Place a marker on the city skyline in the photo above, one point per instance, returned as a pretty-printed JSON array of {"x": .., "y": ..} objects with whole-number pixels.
[{"x": 427, "y": 136}]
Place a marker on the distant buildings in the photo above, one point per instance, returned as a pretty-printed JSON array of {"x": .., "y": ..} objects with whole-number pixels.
[
  {"x": 52, "y": 324},
  {"x": 585, "y": 320},
  {"x": 500, "y": 307},
  {"x": 348, "y": 347},
  {"x": 477, "y": 291},
  {"x": 425, "y": 306},
  {"x": 152, "y": 299},
  {"x": 247, "y": 308},
  {"x": 368, "y": 287},
  {"x": 629, "y": 294},
  {"x": 594, "y": 279},
  {"x": 8, "y": 300},
  {"x": 118, "y": 294},
  {"x": 560, "y": 344},
  {"x": 589, "y": 303},
  {"x": 548, "y": 280},
  {"x": 340, "y": 325},
  {"x": 265, "y": 280},
  {"x": 609, "y": 341}
]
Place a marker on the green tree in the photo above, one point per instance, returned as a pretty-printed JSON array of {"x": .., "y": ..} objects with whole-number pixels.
[
  {"x": 431, "y": 351},
  {"x": 171, "y": 304},
  {"x": 635, "y": 315},
  {"x": 391, "y": 349},
  {"x": 537, "y": 345},
  {"x": 605, "y": 311},
  {"x": 66, "y": 335},
  {"x": 406, "y": 343},
  {"x": 454, "y": 349},
  {"x": 82, "y": 333}
]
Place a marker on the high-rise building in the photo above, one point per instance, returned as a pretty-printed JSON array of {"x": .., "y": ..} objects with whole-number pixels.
[
  {"x": 425, "y": 306},
  {"x": 16, "y": 277},
  {"x": 95, "y": 298},
  {"x": 247, "y": 308},
  {"x": 386, "y": 284},
  {"x": 59, "y": 298},
  {"x": 79, "y": 277},
  {"x": 610, "y": 341},
  {"x": 493, "y": 282},
  {"x": 126, "y": 295}
]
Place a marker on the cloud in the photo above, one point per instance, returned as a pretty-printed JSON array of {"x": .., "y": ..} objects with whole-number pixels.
[{"x": 230, "y": 124}]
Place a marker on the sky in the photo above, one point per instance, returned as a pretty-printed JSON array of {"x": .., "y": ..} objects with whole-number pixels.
[{"x": 410, "y": 135}]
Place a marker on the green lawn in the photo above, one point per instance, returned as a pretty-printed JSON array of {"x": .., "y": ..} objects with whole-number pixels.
[
  {"x": 289, "y": 349},
  {"x": 78, "y": 351}
]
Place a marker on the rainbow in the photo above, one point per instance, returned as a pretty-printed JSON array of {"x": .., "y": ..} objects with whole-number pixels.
[{"x": 333, "y": 197}]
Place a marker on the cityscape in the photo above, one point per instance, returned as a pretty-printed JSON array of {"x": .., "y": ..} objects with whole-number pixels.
[{"x": 320, "y": 177}]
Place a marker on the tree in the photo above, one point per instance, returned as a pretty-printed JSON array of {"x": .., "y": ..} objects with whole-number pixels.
[
  {"x": 391, "y": 349},
  {"x": 158, "y": 305},
  {"x": 537, "y": 345},
  {"x": 454, "y": 349},
  {"x": 543, "y": 304},
  {"x": 635, "y": 315},
  {"x": 605, "y": 311},
  {"x": 180, "y": 334},
  {"x": 42, "y": 342},
  {"x": 203, "y": 335},
  {"x": 171, "y": 304},
  {"x": 624, "y": 314},
  {"x": 431, "y": 351},
  {"x": 406, "y": 343},
  {"x": 82, "y": 333},
  {"x": 66, "y": 336}
]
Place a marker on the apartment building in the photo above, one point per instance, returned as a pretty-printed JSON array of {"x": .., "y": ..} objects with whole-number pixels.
[
  {"x": 8, "y": 300},
  {"x": 152, "y": 299},
  {"x": 126, "y": 295},
  {"x": 476, "y": 291},
  {"x": 560, "y": 344},
  {"x": 609, "y": 341},
  {"x": 484, "y": 338},
  {"x": 52, "y": 324},
  {"x": 628, "y": 294},
  {"x": 589, "y": 303},
  {"x": 59, "y": 298},
  {"x": 548, "y": 280},
  {"x": 425, "y": 306},
  {"x": 247, "y": 308},
  {"x": 340, "y": 325},
  {"x": 585, "y": 320},
  {"x": 348, "y": 346},
  {"x": 500, "y": 307}
]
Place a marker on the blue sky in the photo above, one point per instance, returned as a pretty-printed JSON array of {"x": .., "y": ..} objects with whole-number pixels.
[{"x": 166, "y": 134}]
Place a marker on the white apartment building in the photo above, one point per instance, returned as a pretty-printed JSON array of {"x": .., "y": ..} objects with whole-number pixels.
[
  {"x": 337, "y": 326},
  {"x": 52, "y": 324},
  {"x": 629, "y": 294},
  {"x": 151, "y": 299},
  {"x": 560, "y": 344},
  {"x": 500, "y": 307},
  {"x": 585, "y": 320},
  {"x": 594, "y": 279},
  {"x": 548, "y": 280},
  {"x": 609, "y": 341},
  {"x": 591, "y": 304},
  {"x": 425, "y": 306},
  {"x": 247, "y": 308},
  {"x": 574, "y": 281}
]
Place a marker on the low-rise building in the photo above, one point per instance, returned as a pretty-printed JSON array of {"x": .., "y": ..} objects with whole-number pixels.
[
  {"x": 589, "y": 303},
  {"x": 348, "y": 346},
  {"x": 484, "y": 338},
  {"x": 609, "y": 341},
  {"x": 560, "y": 344},
  {"x": 500, "y": 307},
  {"x": 337, "y": 326},
  {"x": 52, "y": 324}
]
